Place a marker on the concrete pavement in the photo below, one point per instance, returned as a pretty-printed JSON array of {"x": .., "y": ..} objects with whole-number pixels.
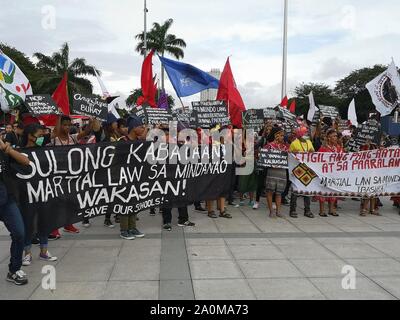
[{"x": 248, "y": 257}]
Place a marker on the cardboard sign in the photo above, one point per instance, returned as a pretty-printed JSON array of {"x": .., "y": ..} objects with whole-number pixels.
[
  {"x": 271, "y": 158},
  {"x": 329, "y": 112},
  {"x": 253, "y": 119},
  {"x": 187, "y": 118},
  {"x": 90, "y": 105},
  {"x": 42, "y": 104},
  {"x": 157, "y": 116},
  {"x": 369, "y": 130},
  {"x": 211, "y": 113}
]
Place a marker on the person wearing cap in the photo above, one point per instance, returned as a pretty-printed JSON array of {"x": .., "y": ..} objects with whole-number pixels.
[
  {"x": 276, "y": 177},
  {"x": 136, "y": 132},
  {"x": 301, "y": 144},
  {"x": 111, "y": 131}
]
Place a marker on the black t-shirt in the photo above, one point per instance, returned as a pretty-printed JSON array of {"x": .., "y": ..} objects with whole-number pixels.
[{"x": 13, "y": 139}]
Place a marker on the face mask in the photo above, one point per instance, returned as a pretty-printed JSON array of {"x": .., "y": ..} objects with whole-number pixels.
[{"x": 39, "y": 141}]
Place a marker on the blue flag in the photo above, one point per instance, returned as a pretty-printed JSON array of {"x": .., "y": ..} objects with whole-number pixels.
[{"x": 187, "y": 79}]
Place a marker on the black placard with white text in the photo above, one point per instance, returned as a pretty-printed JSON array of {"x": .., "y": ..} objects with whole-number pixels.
[
  {"x": 211, "y": 113},
  {"x": 42, "y": 104},
  {"x": 90, "y": 105}
]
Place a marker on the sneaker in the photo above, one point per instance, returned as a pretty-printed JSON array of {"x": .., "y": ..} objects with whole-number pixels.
[
  {"x": 152, "y": 212},
  {"x": 19, "y": 278},
  {"x": 127, "y": 235},
  {"x": 71, "y": 229},
  {"x": 108, "y": 223},
  {"x": 231, "y": 203},
  {"x": 35, "y": 240},
  {"x": 186, "y": 224},
  {"x": 255, "y": 206},
  {"x": 27, "y": 260},
  {"x": 241, "y": 204},
  {"x": 200, "y": 209},
  {"x": 47, "y": 257},
  {"x": 55, "y": 235},
  {"x": 85, "y": 223},
  {"x": 135, "y": 232},
  {"x": 167, "y": 227}
]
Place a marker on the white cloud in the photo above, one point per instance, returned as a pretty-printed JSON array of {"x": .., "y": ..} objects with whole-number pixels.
[{"x": 327, "y": 39}]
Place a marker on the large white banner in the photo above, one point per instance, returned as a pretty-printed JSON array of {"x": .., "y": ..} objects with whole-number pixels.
[{"x": 359, "y": 174}]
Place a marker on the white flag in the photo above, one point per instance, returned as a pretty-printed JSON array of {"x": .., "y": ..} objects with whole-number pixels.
[
  {"x": 313, "y": 108},
  {"x": 102, "y": 86},
  {"x": 385, "y": 90},
  {"x": 351, "y": 114},
  {"x": 14, "y": 85}
]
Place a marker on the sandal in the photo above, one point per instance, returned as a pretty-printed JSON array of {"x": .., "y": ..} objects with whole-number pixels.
[
  {"x": 293, "y": 215},
  {"x": 225, "y": 215},
  {"x": 279, "y": 215},
  {"x": 334, "y": 214},
  {"x": 375, "y": 213},
  {"x": 323, "y": 214},
  {"x": 363, "y": 213},
  {"x": 212, "y": 214}
]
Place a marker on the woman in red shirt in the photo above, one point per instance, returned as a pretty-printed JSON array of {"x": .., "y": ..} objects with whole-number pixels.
[{"x": 332, "y": 146}]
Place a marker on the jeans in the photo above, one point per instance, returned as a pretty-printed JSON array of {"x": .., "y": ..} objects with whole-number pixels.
[
  {"x": 11, "y": 216},
  {"x": 167, "y": 215},
  {"x": 293, "y": 203},
  {"x": 44, "y": 240}
]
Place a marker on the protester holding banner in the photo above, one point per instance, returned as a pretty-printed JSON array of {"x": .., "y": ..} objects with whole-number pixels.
[
  {"x": 372, "y": 201},
  {"x": 301, "y": 144},
  {"x": 332, "y": 146},
  {"x": 276, "y": 177},
  {"x": 10, "y": 214},
  {"x": 136, "y": 132},
  {"x": 62, "y": 137},
  {"x": 261, "y": 173},
  {"x": 33, "y": 138}
]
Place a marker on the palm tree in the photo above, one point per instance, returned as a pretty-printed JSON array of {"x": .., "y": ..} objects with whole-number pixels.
[
  {"x": 161, "y": 42},
  {"x": 53, "y": 68}
]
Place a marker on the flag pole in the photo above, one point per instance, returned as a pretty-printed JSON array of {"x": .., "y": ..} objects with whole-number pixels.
[
  {"x": 145, "y": 30},
  {"x": 183, "y": 106},
  {"x": 284, "y": 54}
]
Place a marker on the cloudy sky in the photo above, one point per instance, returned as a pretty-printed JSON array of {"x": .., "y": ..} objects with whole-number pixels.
[{"x": 327, "y": 39}]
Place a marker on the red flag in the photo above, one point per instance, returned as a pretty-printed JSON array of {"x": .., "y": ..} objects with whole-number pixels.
[
  {"x": 284, "y": 102},
  {"x": 293, "y": 107},
  {"x": 60, "y": 97},
  {"x": 147, "y": 81},
  {"x": 228, "y": 92}
]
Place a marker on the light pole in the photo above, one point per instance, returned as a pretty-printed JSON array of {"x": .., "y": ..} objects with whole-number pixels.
[{"x": 284, "y": 55}]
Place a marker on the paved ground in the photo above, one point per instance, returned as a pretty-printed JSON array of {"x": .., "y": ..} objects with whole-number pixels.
[{"x": 248, "y": 257}]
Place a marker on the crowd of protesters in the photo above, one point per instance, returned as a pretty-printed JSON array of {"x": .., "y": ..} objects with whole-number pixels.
[{"x": 24, "y": 222}]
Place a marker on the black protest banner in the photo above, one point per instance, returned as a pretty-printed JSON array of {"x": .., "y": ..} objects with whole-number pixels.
[
  {"x": 157, "y": 116},
  {"x": 253, "y": 119},
  {"x": 328, "y": 112},
  {"x": 286, "y": 115},
  {"x": 272, "y": 158},
  {"x": 69, "y": 183},
  {"x": 90, "y": 105},
  {"x": 211, "y": 113},
  {"x": 41, "y": 104}
]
